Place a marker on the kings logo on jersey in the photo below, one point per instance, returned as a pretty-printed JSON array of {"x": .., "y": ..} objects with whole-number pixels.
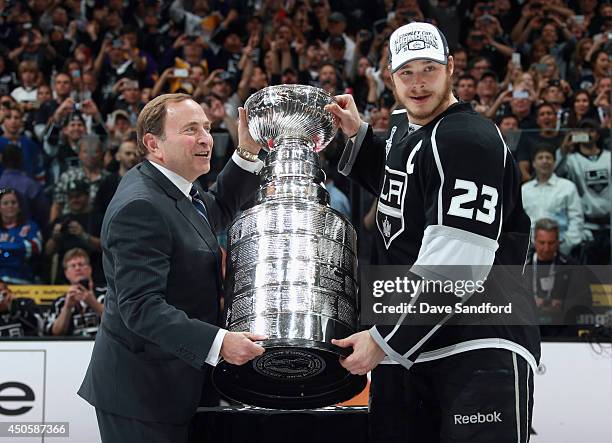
[
  {"x": 597, "y": 180},
  {"x": 390, "y": 211}
]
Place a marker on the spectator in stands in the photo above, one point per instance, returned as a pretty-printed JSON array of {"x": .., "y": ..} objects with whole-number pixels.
[
  {"x": 581, "y": 106},
  {"x": 119, "y": 127},
  {"x": 602, "y": 102},
  {"x": 46, "y": 114},
  {"x": 8, "y": 78},
  {"x": 460, "y": 57},
  {"x": 115, "y": 60},
  {"x": 79, "y": 228},
  {"x": 77, "y": 313},
  {"x": 508, "y": 125},
  {"x": 127, "y": 157},
  {"x": 328, "y": 78},
  {"x": 89, "y": 170},
  {"x": 33, "y": 47},
  {"x": 19, "y": 317},
  {"x": 126, "y": 97},
  {"x": 12, "y": 127},
  {"x": 34, "y": 203},
  {"x": 20, "y": 240},
  {"x": 26, "y": 92},
  {"x": 547, "y": 135},
  {"x": 466, "y": 88},
  {"x": 589, "y": 167},
  {"x": 546, "y": 275},
  {"x": 599, "y": 63},
  {"x": 549, "y": 196},
  {"x": 61, "y": 142},
  {"x": 337, "y": 199},
  {"x": 486, "y": 89},
  {"x": 554, "y": 94},
  {"x": 224, "y": 131}
]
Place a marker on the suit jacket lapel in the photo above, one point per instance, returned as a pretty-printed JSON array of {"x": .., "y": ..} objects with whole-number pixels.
[{"x": 184, "y": 206}]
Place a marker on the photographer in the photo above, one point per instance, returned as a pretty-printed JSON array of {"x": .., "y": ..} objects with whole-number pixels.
[
  {"x": 79, "y": 228},
  {"x": 19, "y": 317},
  {"x": 79, "y": 311}
]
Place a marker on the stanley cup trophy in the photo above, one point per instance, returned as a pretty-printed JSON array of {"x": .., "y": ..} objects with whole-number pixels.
[{"x": 292, "y": 263}]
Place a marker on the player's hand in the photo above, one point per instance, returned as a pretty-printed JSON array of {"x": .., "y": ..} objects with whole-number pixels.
[
  {"x": 238, "y": 347},
  {"x": 347, "y": 114},
  {"x": 366, "y": 353}
]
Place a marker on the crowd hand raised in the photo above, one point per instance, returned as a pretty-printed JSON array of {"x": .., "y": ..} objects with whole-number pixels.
[
  {"x": 346, "y": 114},
  {"x": 366, "y": 353},
  {"x": 238, "y": 347}
]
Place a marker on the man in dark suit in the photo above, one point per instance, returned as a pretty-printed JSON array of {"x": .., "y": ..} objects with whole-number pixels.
[{"x": 159, "y": 333}]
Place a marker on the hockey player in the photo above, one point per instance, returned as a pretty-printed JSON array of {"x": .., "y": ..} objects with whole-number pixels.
[{"x": 449, "y": 196}]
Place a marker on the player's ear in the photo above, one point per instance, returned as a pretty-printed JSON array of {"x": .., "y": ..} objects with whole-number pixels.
[{"x": 450, "y": 65}]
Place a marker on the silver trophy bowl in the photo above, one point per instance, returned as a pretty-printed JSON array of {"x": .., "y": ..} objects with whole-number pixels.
[{"x": 292, "y": 263}]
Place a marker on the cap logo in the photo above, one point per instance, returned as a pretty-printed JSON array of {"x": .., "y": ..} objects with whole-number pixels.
[{"x": 415, "y": 40}]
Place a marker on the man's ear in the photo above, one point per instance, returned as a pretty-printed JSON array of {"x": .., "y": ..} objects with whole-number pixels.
[{"x": 150, "y": 143}]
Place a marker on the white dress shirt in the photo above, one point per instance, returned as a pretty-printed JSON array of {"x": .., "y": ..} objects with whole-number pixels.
[{"x": 557, "y": 199}]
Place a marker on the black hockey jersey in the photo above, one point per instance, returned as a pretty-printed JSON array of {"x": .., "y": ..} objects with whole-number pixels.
[{"x": 449, "y": 194}]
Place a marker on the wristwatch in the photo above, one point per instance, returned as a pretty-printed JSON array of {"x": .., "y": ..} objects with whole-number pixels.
[{"x": 247, "y": 155}]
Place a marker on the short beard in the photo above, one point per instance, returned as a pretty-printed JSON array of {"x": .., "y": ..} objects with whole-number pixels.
[{"x": 443, "y": 100}]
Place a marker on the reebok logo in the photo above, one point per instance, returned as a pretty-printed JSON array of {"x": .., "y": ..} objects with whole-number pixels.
[{"x": 494, "y": 417}]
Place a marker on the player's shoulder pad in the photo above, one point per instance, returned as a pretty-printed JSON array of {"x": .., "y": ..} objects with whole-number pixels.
[{"x": 466, "y": 131}]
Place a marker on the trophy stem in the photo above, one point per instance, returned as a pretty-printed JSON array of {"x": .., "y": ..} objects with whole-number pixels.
[{"x": 293, "y": 170}]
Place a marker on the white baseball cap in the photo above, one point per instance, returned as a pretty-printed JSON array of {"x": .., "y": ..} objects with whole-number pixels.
[{"x": 417, "y": 41}]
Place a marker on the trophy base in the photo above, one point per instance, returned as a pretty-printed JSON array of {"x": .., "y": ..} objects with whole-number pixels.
[{"x": 291, "y": 374}]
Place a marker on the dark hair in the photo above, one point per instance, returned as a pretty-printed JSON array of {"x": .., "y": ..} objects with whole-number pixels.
[
  {"x": 544, "y": 105},
  {"x": 542, "y": 148},
  {"x": 466, "y": 77},
  {"x": 573, "y": 119},
  {"x": 505, "y": 116},
  {"x": 5, "y": 191},
  {"x": 11, "y": 157}
]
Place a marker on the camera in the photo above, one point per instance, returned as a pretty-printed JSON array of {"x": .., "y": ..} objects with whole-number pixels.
[
  {"x": 554, "y": 82},
  {"x": 580, "y": 137},
  {"x": 64, "y": 228},
  {"x": 364, "y": 34},
  {"x": 84, "y": 282},
  {"x": 77, "y": 107}
]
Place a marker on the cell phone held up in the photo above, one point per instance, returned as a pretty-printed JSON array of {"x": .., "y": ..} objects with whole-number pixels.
[
  {"x": 181, "y": 73},
  {"x": 580, "y": 137}
]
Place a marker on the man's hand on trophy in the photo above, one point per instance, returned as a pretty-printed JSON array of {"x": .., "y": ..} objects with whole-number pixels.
[
  {"x": 366, "y": 353},
  {"x": 238, "y": 347},
  {"x": 245, "y": 141},
  {"x": 347, "y": 114}
]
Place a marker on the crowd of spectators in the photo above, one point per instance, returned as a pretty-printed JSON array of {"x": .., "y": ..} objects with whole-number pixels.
[{"x": 75, "y": 74}]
